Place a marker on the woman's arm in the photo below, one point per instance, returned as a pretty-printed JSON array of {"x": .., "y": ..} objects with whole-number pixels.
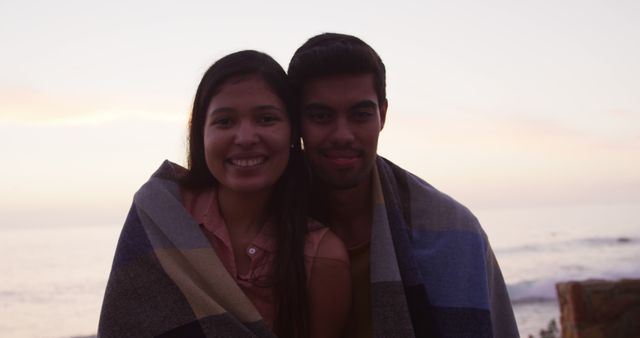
[{"x": 329, "y": 288}]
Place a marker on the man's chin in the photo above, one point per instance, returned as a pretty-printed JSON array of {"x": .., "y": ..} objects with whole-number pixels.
[{"x": 339, "y": 183}]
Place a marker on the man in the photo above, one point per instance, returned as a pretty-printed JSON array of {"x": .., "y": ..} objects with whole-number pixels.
[{"x": 421, "y": 264}]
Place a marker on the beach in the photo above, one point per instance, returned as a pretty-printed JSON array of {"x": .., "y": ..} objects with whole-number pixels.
[{"x": 54, "y": 276}]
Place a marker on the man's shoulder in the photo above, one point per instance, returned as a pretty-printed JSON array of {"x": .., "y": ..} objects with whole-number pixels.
[{"x": 427, "y": 206}]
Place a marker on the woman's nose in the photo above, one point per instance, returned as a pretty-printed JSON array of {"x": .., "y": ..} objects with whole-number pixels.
[{"x": 246, "y": 134}]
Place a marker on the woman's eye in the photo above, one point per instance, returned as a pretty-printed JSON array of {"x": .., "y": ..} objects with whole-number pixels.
[
  {"x": 222, "y": 121},
  {"x": 267, "y": 119}
]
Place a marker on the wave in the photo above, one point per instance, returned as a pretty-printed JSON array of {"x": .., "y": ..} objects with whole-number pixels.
[
  {"x": 544, "y": 290},
  {"x": 561, "y": 245},
  {"x": 527, "y": 292}
]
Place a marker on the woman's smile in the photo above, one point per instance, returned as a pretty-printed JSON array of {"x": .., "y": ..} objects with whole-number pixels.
[{"x": 247, "y": 162}]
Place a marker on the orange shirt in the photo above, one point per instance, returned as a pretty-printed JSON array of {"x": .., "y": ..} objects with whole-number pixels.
[{"x": 325, "y": 258}]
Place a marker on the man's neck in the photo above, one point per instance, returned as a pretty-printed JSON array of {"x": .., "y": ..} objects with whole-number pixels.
[{"x": 350, "y": 215}]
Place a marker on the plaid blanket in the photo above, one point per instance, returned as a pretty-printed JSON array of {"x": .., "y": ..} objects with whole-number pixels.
[
  {"x": 433, "y": 273},
  {"x": 166, "y": 280}
]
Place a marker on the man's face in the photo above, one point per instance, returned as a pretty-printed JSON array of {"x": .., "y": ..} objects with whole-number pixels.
[{"x": 341, "y": 121}]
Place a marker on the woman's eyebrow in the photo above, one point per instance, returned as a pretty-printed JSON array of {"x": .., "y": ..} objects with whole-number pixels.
[
  {"x": 221, "y": 110},
  {"x": 267, "y": 107}
]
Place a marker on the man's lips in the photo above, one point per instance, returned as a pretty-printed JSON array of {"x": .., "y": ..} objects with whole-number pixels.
[
  {"x": 342, "y": 161},
  {"x": 342, "y": 157}
]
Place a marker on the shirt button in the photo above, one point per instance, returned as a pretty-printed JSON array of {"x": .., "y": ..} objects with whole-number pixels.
[{"x": 251, "y": 251}]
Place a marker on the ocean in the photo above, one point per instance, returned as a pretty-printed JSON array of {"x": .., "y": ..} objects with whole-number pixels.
[
  {"x": 53, "y": 278},
  {"x": 538, "y": 247}
]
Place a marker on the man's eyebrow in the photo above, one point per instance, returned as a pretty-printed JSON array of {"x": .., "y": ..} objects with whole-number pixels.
[
  {"x": 316, "y": 106},
  {"x": 364, "y": 104}
]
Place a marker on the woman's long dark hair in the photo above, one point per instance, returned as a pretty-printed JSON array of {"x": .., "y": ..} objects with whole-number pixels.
[{"x": 288, "y": 202}]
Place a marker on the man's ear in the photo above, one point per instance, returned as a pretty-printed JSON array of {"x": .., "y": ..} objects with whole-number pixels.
[{"x": 383, "y": 113}]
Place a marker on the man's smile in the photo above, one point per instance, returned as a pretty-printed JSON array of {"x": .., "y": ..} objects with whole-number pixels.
[{"x": 342, "y": 157}]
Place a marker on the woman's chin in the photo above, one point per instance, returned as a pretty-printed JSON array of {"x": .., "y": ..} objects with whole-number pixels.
[{"x": 245, "y": 187}]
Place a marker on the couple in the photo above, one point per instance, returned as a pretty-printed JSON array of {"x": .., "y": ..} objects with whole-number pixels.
[{"x": 249, "y": 242}]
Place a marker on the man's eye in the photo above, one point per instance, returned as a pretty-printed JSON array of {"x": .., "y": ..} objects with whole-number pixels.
[
  {"x": 362, "y": 115},
  {"x": 319, "y": 116}
]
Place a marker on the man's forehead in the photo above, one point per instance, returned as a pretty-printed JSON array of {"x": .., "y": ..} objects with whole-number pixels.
[{"x": 339, "y": 86}]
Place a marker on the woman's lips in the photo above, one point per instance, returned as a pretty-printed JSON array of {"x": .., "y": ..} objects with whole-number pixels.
[{"x": 247, "y": 162}]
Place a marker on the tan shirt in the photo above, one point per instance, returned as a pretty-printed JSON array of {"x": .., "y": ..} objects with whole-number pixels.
[{"x": 359, "y": 322}]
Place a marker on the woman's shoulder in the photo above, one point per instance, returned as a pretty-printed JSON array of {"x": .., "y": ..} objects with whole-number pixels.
[{"x": 321, "y": 242}]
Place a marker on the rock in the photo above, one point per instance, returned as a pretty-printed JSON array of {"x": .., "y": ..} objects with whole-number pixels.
[{"x": 600, "y": 309}]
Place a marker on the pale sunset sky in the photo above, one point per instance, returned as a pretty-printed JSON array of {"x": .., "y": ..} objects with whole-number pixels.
[{"x": 501, "y": 104}]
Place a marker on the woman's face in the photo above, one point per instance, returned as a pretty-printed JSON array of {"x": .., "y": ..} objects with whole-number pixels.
[{"x": 247, "y": 135}]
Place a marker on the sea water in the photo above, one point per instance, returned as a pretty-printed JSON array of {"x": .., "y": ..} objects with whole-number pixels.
[
  {"x": 52, "y": 279},
  {"x": 539, "y": 247}
]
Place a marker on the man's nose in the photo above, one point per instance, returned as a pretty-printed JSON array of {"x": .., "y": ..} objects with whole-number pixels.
[
  {"x": 246, "y": 134},
  {"x": 343, "y": 132}
]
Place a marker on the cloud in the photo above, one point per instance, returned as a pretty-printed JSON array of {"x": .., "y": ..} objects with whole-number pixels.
[
  {"x": 516, "y": 159},
  {"x": 68, "y": 166},
  {"x": 25, "y": 105}
]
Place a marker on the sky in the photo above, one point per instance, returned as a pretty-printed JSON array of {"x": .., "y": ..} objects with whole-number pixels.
[{"x": 501, "y": 104}]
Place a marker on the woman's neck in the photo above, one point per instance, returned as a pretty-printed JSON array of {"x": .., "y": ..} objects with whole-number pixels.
[{"x": 244, "y": 213}]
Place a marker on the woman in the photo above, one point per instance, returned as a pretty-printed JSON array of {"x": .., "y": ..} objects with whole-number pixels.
[{"x": 261, "y": 263}]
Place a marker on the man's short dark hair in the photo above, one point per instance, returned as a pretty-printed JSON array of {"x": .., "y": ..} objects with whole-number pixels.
[{"x": 331, "y": 54}]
